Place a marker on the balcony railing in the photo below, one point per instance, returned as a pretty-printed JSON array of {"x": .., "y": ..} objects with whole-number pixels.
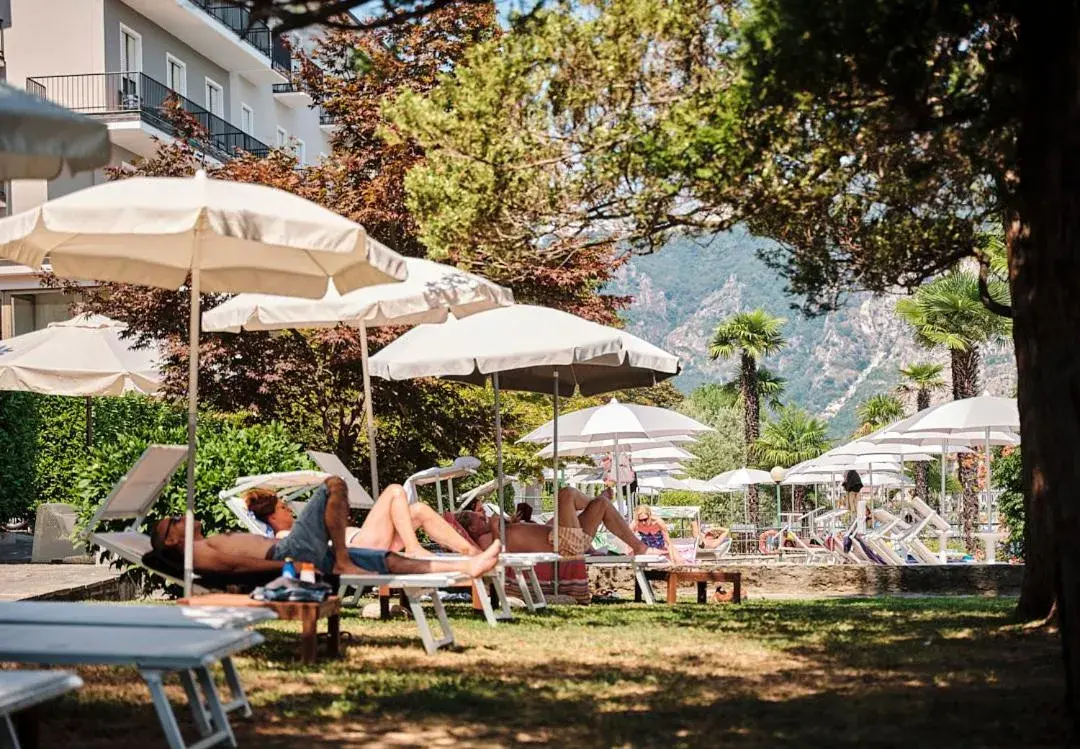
[
  {"x": 326, "y": 118},
  {"x": 109, "y": 94},
  {"x": 256, "y": 33}
]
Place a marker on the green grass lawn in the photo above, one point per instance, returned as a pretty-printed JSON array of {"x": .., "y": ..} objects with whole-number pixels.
[{"x": 943, "y": 672}]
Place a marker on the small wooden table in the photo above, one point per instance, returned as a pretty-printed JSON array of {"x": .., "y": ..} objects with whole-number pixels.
[
  {"x": 307, "y": 613},
  {"x": 702, "y": 577}
]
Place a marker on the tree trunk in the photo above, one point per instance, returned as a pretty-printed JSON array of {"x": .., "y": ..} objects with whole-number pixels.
[
  {"x": 965, "y": 376},
  {"x": 751, "y": 426},
  {"x": 799, "y": 498},
  {"x": 922, "y": 483},
  {"x": 1044, "y": 266}
]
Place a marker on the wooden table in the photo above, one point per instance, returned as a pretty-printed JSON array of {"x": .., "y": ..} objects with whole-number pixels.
[
  {"x": 307, "y": 613},
  {"x": 701, "y": 576}
]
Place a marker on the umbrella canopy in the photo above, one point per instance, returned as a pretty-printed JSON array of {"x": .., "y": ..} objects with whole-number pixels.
[
  {"x": 241, "y": 237},
  {"x": 227, "y": 236},
  {"x": 865, "y": 448},
  {"x": 665, "y": 482},
  {"x": 38, "y": 138},
  {"x": 618, "y": 421},
  {"x": 601, "y": 447},
  {"x": 967, "y": 415},
  {"x": 659, "y": 467},
  {"x": 430, "y": 294},
  {"x": 648, "y": 454},
  {"x": 740, "y": 478},
  {"x": 527, "y": 346},
  {"x": 81, "y": 357}
]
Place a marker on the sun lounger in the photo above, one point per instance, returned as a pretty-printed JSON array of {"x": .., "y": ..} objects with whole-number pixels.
[
  {"x": 461, "y": 467},
  {"x": 189, "y": 652},
  {"x": 21, "y": 690},
  {"x": 359, "y": 499},
  {"x": 637, "y": 563}
]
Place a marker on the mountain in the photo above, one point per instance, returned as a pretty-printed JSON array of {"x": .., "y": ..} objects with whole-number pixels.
[{"x": 831, "y": 363}]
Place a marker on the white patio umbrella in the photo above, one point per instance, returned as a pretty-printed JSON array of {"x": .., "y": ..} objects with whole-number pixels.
[
  {"x": 740, "y": 478},
  {"x": 662, "y": 481},
  {"x": 671, "y": 452},
  {"x": 38, "y": 138},
  {"x": 528, "y": 348},
  {"x": 83, "y": 357},
  {"x": 227, "y": 236},
  {"x": 431, "y": 293},
  {"x": 602, "y": 447},
  {"x": 671, "y": 467}
]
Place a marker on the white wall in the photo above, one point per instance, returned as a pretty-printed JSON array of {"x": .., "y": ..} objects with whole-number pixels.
[{"x": 302, "y": 123}]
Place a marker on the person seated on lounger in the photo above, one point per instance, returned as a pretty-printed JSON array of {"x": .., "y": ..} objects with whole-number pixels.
[
  {"x": 654, "y": 533},
  {"x": 714, "y": 537},
  {"x": 579, "y": 517},
  {"x": 318, "y": 536},
  {"x": 390, "y": 524}
]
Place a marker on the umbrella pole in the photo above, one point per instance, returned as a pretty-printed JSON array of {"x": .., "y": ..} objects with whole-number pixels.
[
  {"x": 89, "y": 421},
  {"x": 555, "y": 478},
  {"x": 369, "y": 413},
  {"x": 988, "y": 528},
  {"x": 499, "y": 460},
  {"x": 193, "y": 401},
  {"x": 944, "y": 454}
]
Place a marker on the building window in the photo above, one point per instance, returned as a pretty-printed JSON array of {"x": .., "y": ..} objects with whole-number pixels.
[
  {"x": 34, "y": 311},
  {"x": 300, "y": 151},
  {"x": 247, "y": 119},
  {"x": 282, "y": 137},
  {"x": 176, "y": 74},
  {"x": 215, "y": 98},
  {"x": 130, "y": 65}
]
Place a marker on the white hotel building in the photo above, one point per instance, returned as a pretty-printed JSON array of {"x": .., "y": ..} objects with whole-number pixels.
[{"x": 119, "y": 60}]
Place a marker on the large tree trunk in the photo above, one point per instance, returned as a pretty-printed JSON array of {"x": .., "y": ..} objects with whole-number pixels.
[
  {"x": 751, "y": 426},
  {"x": 965, "y": 377},
  {"x": 1044, "y": 266}
]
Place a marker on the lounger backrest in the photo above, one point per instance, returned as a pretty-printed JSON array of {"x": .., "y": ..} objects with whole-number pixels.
[
  {"x": 137, "y": 490},
  {"x": 358, "y": 497},
  {"x": 930, "y": 514}
]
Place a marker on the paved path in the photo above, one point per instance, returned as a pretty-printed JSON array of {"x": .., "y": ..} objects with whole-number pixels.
[{"x": 19, "y": 579}]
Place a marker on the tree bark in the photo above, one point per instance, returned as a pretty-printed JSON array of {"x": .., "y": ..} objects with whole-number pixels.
[
  {"x": 751, "y": 426},
  {"x": 965, "y": 382},
  {"x": 1044, "y": 266}
]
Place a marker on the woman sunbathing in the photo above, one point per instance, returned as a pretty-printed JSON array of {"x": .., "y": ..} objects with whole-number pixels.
[
  {"x": 318, "y": 536},
  {"x": 654, "y": 533},
  {"x": 391, "y": 524},
  {"x": 576, "y": 529}
]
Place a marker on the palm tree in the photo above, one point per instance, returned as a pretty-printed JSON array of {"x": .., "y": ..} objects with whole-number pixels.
[
  {"x": 949, "y": 313},
  {"x": 752, "y": 336},
  {"x": 921, "y": 379},
  {"x": 791, "y": 437},
  {"x": 770, "y": 388},
  {"x": 878, "y": 411}
]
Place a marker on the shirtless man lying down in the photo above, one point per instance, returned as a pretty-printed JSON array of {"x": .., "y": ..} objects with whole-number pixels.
[
  {"x": 579, "y": 517},
  {"x": 321, "y": 524}
]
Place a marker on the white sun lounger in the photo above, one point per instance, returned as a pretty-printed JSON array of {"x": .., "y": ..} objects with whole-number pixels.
[
  {"x": 637, "y": 563},
  {"x": 20, "y": 690},
  {"x": 359, "y": 499},
  {"x": 188, "y": 652}
]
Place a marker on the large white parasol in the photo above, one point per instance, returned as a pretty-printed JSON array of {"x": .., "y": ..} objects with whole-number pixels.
[
  {"x": 431, "y": 294},
  {"x": 38, "y": 139},
  {"x": 224, "y": 236}
]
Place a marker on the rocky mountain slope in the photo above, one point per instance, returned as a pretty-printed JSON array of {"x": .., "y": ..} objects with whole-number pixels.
[{"x": 831, "y": 362}]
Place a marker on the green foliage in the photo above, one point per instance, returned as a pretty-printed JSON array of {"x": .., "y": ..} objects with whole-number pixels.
[
  {"x": 755, "y": 334},
  {"x": 19, "y": 427},
  {"x": 791, "y": 437},
  {"x": 948, "y": 312},
  {"x": 769, "y": 387},
  {"x": 879, "y": 411},
  {"x": 720, "y": 450},
  {"x": 226, "y": 452},
  {"x": 1008, "y": 477}
]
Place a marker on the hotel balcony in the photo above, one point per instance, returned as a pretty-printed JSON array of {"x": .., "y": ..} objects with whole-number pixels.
[
  {"x": 291, "y": 95},
  {"x": 225, "y": 34},
  {"x": 134, "y": 107}
]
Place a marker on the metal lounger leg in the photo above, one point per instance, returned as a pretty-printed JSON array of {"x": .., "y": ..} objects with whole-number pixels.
[
  {"x": 217, "y": 710},
  {"x": 236, "y": 689},
  {"x": 539, "y": 600},
  {"x": 195, "y": 702},
  {"x": 426, "y": 635},
  {"x": 480, "y": 589},
  {"x": 13, "y": 735},
  {"x": 164, "y": 710},
  {"x": 526, "y": 593},
  {"x": 644, "y": 584},
  {"x": 504, "y": 614}
]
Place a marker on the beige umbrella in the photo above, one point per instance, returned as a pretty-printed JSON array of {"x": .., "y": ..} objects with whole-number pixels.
[
  {"x": 38, "y": 138},
  {"x": 431, "y": 294},
  {"x": 227, "y": 236},
  {"x": 84, "y": 357}
]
